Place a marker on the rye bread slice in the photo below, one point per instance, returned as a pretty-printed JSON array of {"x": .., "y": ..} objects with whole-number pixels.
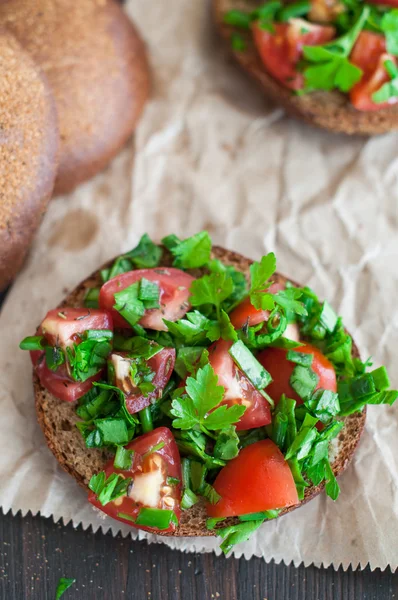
[
  {"x": 329, "y": 110},
  {"x": 57, "y": 420}
]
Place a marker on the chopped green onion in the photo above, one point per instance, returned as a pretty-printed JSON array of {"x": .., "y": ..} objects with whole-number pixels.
[
  {"x": 247, "y": 362},
  {"x": 156, "y": 518},
  {"x": 33, "y": 342},
  {"x": 145, "y": 417},
  {"x": 300, "y": 358},
  {"x": 189, "y": 498},
  {"x": 213, "y": 521},
  {"x": 328, "y": 317},
  {"x": 265, "y": 514}
]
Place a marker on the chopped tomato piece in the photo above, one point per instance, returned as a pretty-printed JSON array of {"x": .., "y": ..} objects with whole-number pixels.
[
  {"x": 258, "y": 479},
  {"x": 162, "y": 364},
  {"x": 59, "y": 383},
  {"x": 61, "y": 327},
  {"x": 238, "y": 389},
  {"x": 246, "y": 315},
  {"x": 150, "y": 472},
  {"x": 280, "y": 369},
  {"x": 281, "y": 50},
  {"x": 370, "y": 55},
  {"x": 174, "y": 293}
]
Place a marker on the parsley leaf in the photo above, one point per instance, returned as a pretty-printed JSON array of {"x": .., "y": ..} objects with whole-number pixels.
[
  {"x": 192, "y": 330},
  {"x": 332, "y": 66},
  {"x": 260, "y": 272},
  {"x": 89, "y": 357},
  {"x": 288, "y": 300},
  {"x": 144, "y": 256},
  {"x": 203, "y": 395},
  {"x": 227, "y": 444},
  {"x": 134, "y": 300},
  {"x": 240, "y": 288},
  {"x": 235, "y": 534},
  {"x": 63, "y": 584},
  {"x": 191, "y": 253},
  {"x": 211, "y": 289},
  {"x": 222, "y": 328},
  {"x": 304, "y": 381}
]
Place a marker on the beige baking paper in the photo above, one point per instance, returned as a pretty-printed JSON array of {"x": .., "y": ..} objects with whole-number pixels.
[{"x": 211, "y": 153}]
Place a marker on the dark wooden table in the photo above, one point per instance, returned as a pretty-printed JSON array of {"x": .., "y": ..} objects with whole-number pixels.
[{"x": 35, "y": 553}]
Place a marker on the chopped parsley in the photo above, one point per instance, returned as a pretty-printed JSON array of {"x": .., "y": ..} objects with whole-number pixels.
[
  {"x": 192, "y": 253},
  {"x": 64, "y": 584},
  {"x": 199, "y": 404},
  {"x": 330, "y": 66}
]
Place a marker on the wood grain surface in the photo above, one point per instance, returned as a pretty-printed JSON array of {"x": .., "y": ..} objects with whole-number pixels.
[{"x": 35, "y": 552}]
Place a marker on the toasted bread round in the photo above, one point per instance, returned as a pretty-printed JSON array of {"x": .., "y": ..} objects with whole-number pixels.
[
  {"x": 96, "y": 65},
  {"x": 58, "y": 419},
  {"x": 329, "y": 110},
  {"x": 28, "y": 146}
]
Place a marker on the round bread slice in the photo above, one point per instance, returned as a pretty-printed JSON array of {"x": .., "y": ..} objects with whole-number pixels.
[
  {"x": 329, "y": 110},
  {"x": 28, "y": 146},
  {"x": 96, "y": 64},
  {"x": 58, "y": 420}
]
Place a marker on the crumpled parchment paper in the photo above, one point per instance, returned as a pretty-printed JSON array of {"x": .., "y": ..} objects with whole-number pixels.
[{"x": 211, "y": 153}]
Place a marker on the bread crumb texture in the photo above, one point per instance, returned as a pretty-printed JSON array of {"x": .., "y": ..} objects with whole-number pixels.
[
  {"x": 28, "y": 147},
  {"x": 96, "y": 65}
]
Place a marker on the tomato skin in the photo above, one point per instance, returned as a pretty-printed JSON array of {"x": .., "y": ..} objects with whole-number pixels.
[
  {"x": 370, "y": 54},
  {"x": 170, "y": 465},
  {"x": 174, "y": 293},
  {"x": 276, "y": 363},
  {"x": 63, "y": 332},
  {"x": 60, "y": 385},
  {"x": 281, "y": 50},
  {"x": 258, "y": 479},
  {"x": 245, "y": 313},
  {"x": 238, "y": 389},
  {"x": 393, "y": 3},
  {"x": 162, "y": 364}
]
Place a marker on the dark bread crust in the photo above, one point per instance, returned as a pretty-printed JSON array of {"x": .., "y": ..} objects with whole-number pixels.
[
  {"x": 29, "y": 145},
  {"x": 57, "y": 420},
  {"x": 329, "y": 110},
  {"x": 96, "y": 65}
]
